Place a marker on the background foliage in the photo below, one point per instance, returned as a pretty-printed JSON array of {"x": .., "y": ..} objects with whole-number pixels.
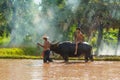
[{"x": 89, "y": 15}]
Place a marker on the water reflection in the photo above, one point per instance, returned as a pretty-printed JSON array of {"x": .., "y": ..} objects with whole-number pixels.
[{"x": 36, "y": 70}]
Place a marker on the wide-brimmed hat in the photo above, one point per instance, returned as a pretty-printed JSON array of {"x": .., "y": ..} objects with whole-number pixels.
[{"x": 45, "y": 37}]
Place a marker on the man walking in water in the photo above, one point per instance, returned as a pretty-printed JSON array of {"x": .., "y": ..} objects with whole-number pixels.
[
  {"x": 46, "y": 49},
  {"x": 79, "y": 38}
]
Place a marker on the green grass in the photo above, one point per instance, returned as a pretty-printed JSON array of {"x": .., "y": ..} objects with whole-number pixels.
[
  {"x": 96, "y": 58},
  {"x": 20, "y": 57},
  {"x": 107, "y": 58},
  {"x": 20, "y": 53},
  {"x": 34, "y": 53}
]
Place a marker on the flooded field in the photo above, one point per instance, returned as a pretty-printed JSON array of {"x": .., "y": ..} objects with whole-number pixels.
[{"x": 17, "y": 69}]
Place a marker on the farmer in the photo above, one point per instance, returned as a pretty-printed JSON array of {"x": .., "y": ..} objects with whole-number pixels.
[
  {"x": 46, "y": 49},
  {"x": 79, "y": 38}
]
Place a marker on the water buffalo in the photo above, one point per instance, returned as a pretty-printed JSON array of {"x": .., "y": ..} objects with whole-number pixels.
[{"x": 67, "y": 49}]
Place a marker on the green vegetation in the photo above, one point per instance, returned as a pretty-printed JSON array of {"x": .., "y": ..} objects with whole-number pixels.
[
  {"x": 107, "y": 58},
  {"x": 33, "y": 53},
  {"x": 20, "y": 53},
  {"x": 4, "y": 40},
  {"x": 96, "y": 58},
  {"x": 110, "y": 36},
  {"x": 99, "y": 20}
]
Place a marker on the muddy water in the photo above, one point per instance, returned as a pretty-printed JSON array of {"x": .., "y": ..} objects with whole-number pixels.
[{"x": 13, "y": 69}]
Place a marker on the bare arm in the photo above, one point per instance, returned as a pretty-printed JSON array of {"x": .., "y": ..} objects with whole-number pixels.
[
  {"x": 82, "y": 37},
  {"x": 75, "y": 35},
  {"x": 40, "y": 45}
]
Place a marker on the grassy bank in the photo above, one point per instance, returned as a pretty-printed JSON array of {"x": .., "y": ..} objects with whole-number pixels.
[
  {"x": 103, "y": 58},
  {"x": 20, "y": 53},
  {"x": 35, "y": 53}
]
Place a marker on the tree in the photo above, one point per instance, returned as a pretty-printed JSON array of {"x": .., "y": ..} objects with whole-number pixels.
[{"x": 5, "y": 17}]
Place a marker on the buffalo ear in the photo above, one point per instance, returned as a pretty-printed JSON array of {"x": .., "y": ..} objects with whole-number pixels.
[
  {"x": 57, "y": 44},
  {"x": 54, "y": 41}
]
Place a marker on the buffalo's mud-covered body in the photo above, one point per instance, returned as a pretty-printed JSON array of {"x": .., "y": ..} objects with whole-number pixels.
[{"x": 67, "y": 49}]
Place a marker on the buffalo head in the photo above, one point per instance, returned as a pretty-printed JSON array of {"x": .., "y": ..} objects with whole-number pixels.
[{"x": 54, "y": 46}]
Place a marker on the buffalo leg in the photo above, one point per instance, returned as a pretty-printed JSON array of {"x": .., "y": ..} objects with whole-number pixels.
[
  {"x": 86, "y": 58},
  {"x": 65, "y": 58},
  {"x": 91, "y": 57}
]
